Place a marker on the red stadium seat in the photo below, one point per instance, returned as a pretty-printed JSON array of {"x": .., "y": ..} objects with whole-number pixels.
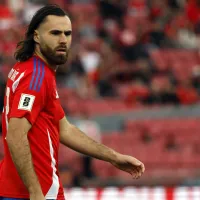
[{"x": 160, "y": 60}]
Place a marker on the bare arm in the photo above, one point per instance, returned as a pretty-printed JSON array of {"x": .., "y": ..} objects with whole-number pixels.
[
  {"x": 21, "y": 155},
  {"x": 75, "y": 139}
]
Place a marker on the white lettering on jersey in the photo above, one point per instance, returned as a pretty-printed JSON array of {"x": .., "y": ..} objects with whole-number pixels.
[
  {"x": 14, "y": 74},
  {"x": 10, "y": 73},
  {"x": 26, "y": 102},
  {"x": 16, "y": 83}
]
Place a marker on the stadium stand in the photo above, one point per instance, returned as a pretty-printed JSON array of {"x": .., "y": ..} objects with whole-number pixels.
[{"x": 126, "y": 55}]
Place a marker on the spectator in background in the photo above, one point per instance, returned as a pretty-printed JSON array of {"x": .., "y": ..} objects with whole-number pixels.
[
  {"x": 159, "y": 11},
  {"x": 193, "y": 11},
  {"x": 138, "y": 9},
  {"x": 106, "y": 70},
  {"x": 196, "y": 78},
  {"x": 162, "y": 92},
  {"x": 72, "y": 75},
  {"x": 105, "y": 88},
  {"x": 131, "y": 46},
  {"x": 186, "y": 93},
  {"x": 109, "y": 32},
  {"x": 113, "y": 9},
  {"x": 89, "y": 57},
  {"x": 30, "y": 8},
  {"x": 157, "y": 36},
  {"x": 174, "y": 4}
]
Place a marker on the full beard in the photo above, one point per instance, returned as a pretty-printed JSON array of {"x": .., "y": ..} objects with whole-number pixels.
[{"x": 52, "y": 58}]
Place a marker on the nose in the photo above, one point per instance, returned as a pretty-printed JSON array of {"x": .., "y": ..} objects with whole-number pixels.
[{"x": 63, "y": 39}]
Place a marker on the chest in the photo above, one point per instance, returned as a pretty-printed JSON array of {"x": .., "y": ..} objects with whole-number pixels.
[{"x": 53, "y": 107}]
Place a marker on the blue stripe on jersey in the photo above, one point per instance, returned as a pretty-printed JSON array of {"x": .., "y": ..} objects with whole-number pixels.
[
  {"x": 38, "y": 74},
  {"x": 33, "y": 75},
  {"x": 42, "y": 77}
]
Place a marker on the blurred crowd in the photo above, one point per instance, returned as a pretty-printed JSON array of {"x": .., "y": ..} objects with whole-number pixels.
[
  {"x": 112, "y": 42},
  {"x": 110, "y": 55}
]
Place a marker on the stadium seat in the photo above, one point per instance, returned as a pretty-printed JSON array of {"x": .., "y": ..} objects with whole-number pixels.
[{"x": 160, "y": 60}]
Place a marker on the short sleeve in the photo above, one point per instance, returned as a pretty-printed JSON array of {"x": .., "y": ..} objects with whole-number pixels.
[
  {"x": 29, "y": 97},
  {"x": 61, "y": 113}
]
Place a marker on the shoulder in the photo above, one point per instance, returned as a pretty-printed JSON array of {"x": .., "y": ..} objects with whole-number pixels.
[
  {"x": 34, "y": 73},
  {"x": 32, "y": 65}
]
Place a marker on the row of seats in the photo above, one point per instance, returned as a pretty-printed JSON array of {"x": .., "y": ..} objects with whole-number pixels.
[
  {"x": 181, "y": 62},
  {"x": 161, "y": 125},
  {"x": 107, "y": 106},
  {"x": 75, "y": 105}
]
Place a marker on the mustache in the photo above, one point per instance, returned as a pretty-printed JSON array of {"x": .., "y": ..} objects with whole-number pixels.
[{"x": 62, "y": 47}]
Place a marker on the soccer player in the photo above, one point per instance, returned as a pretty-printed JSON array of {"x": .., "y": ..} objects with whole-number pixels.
[{"x": 33, "y": 120}]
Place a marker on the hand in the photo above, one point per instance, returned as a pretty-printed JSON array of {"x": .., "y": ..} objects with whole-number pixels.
[
  {"x": 37, "y": 197},
  {"x": 129, "y": 164}
]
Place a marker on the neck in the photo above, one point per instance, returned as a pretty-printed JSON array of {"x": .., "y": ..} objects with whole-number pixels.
[{"x": 38, "y": 53}]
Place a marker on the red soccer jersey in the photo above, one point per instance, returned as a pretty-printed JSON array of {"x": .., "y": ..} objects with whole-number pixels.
[{"x": 31, "y": 93}]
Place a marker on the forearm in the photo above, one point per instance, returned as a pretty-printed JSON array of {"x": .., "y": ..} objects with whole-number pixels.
[
  {"x": 79, "y": 141},
  {"x": 21, "y": 156}
]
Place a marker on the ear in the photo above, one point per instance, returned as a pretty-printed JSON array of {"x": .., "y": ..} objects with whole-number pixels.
[{"x": 36, "y": 36}]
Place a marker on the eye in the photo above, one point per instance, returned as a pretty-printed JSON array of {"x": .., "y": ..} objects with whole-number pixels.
[
  {"x": 55, "y": 32},
  {"x": 67, "y": 33}
]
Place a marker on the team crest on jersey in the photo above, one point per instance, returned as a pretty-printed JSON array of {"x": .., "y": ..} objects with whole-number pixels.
[{"x": 26, "y": 102}]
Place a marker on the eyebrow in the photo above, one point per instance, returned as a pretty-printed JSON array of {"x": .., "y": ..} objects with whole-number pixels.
[{"x": 69, "y": 32}]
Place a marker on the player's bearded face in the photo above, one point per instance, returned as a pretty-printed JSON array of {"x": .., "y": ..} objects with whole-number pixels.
[{"x": 55, "y": 56}]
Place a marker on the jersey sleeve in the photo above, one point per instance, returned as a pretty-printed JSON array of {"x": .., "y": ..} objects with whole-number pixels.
[
  {"x": 61, "y": 113},
  {"x": 29, "y": 97}
]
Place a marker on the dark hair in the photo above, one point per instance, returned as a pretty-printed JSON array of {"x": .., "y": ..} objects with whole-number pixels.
[{"x": 26, "y": 48}]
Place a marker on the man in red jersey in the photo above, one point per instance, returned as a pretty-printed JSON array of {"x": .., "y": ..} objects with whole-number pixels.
[{"x": 33, "y": 120}]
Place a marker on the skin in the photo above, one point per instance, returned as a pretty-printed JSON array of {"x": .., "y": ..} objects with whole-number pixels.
[
  {"x": 52, "y": 35},
  {"x": 21, "y": 155}
]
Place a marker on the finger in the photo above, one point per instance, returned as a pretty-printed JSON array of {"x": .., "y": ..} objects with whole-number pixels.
[
  {"x": 137, "y": 163},
  {"x": 137, "y": 175},
  {"x": 140, "y": 174},
  {"x": 143, "y": 168},
  {"x": 137, "y": 169},
  {"x": 133, "y": 174}
]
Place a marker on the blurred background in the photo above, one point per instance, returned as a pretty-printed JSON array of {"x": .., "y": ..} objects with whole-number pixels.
[{"x": 132, "y": 82}]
